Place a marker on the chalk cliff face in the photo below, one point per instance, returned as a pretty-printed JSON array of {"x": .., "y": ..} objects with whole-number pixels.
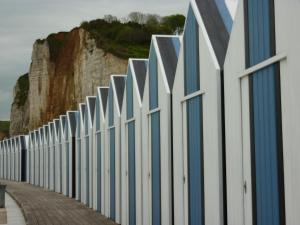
[{"x": 65, "y": 68}]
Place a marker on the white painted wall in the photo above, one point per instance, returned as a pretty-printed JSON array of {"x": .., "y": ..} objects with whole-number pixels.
[
  {"x": 137, "y": 113},
  {"x": 117, "y": 126},
  {"x": 164, "y": 105}
]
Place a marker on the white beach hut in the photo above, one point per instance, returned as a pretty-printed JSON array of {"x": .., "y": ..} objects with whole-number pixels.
[
  {"x": 41, "y": 156},
  {"x": 70, "y": 135},
  {"x": 157, "y": 130},
  {"x": 99, "y": 171},
  {"x": 46, "y": 157},
  {"x": 52, "y": 155},
  {"x": 57, "y": 158},
  {"x": 83, "y": 165},
  {"x": 113, "y": 126},
  {"x": 262, "y": 114},
  {"x": 89, "y": 147},
  {"x": 131, "y": 148},
  {"x": 198, "y": 131}
]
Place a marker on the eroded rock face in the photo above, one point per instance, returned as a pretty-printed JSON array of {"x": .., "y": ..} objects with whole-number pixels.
[{"x": 62, "y": 73}]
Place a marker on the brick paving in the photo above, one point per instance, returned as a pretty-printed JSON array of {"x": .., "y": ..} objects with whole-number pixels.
[{"x": 43, "y": 207}]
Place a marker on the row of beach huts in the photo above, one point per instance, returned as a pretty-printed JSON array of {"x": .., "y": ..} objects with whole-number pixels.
[{"x": 205, "y": 131}]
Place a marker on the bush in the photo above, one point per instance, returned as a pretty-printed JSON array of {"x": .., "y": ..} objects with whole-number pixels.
[
  {"x": 21, "y": 95},
  {"x": 123, "y": 39},
  {"x": 131, "y": 39}
]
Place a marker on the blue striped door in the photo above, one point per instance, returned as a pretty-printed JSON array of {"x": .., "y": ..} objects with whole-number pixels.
[
  {"x": 99, "y": 175},
  {"x": 78, "y": 171},
  {"x": 194, "y": 122},
  {"x": 195, "y": 161},
  {"x": 131, "y": 173},
  {"x": 98, "y": 155},
  {"x": 155, "y": 168},
  {"x": 112, "y": 175},
  {"x": 266, "y": 137},
  {"x": 87, "y": 175}
]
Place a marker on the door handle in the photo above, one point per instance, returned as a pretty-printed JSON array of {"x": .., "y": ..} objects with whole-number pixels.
[{"x": 245, "y": 186}]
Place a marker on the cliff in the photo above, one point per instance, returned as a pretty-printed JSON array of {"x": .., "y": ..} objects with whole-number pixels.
[{"x": 66, "y": 67}]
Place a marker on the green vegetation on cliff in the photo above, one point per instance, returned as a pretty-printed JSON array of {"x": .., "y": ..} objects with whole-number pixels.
[
  {"x": 22, "y": 91},
  {"x": 4, "y": 129},
  {"x": 128, "y": 38},
  {"x": 132, "y": 38}
]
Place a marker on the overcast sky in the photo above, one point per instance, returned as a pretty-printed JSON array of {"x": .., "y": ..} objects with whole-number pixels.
[{"x": 24, "y": 21}]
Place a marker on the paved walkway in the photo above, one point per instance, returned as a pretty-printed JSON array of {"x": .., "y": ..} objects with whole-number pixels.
[
  {"x": 42, "y": 207},
  {"x": 14, "y": 213}
]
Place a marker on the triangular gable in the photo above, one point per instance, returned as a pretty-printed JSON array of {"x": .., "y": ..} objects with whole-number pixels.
[
  {"x": 218, "y": 23},
  {"x": 41, "y": 135},
  {"x": 104, "y": 96},
  {"x": 46, "y": 133},
  {"x": 91, "y": 103},
  {"x": 140, "y": 70},
  {"x": 169, "y": 50},
  {"x": 72, "y": 122},
  {"x": 36, "y": 135},
  {"x": 119, "y": 82},
  {"x": 51, "y": 127},
  {"x": 78, "y": 125},
  {"x": 63, "y": 120},
  {"x": 56, "y": 127},
  {"x": 22, "y": 142},
  {"x": 82, "y": 107}
]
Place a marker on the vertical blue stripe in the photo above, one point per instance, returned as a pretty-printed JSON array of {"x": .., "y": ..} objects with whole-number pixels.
[
  {"x": 67, "y": 167},
  {"x": 87, "y": 175},
  {"x": 195, "y": 161},
  {"x": 259, "y": 31},
  {"x": 129, "y": 94},
  {"x": 131, "y": 165},
  {"x": 191, "y": 54},
  {"x": 155, "y": 168},
  {"x": 79, "y": 168},
  {"x": 264, "y": 112},
  {"x": 153, "y": 79},
  {"x": 98, "y": 154},
  {"x": 264, "y": 95},
  {"x": 111, "y": 106},
  {"x": 99, "y": 175},
  {"x": 97, "y": 113},
  {"x": 112, "y": 175}
]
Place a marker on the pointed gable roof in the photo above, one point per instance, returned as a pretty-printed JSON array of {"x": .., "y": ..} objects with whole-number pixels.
[
  {"x": 91, "y": 103},
  {"x": 140, "y": 70},
  {"x": 71, "y": 117},
  {"x": 119, "y": 82},
  {"x": 104, "y": 96},
  {"x": 82, "y": 112},
  {"x": 218, "y": 23},
  {"x": 169, "y": 49},
  {"x": 63, "y": 120}
]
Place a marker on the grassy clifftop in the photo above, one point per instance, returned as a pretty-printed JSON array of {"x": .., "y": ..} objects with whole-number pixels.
[
  {"x": 130, "y": 38},
  {"x": 22, "y": 91},
  {"x": 4, "y": 129}
]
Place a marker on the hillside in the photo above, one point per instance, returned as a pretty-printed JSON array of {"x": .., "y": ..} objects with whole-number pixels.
[
  {"x": 68, "y": 66},
  {"x": 4, "y": 129}
]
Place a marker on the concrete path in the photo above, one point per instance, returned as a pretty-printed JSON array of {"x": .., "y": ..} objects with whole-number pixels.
[
  {"x": 42, "y": 207},
  {"x": 14, "y": 213}
]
